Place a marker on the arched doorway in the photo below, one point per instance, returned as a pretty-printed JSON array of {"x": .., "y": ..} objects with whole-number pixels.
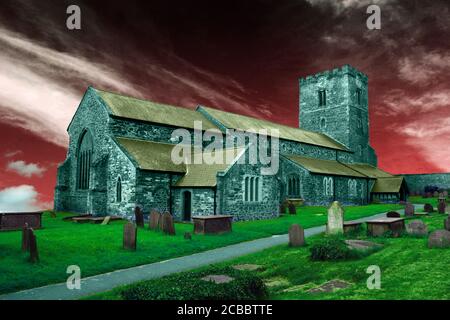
[{"x": 187, "y": 205}]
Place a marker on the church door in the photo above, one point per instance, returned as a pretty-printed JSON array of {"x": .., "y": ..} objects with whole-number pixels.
[{"x": 187, "y": 207}]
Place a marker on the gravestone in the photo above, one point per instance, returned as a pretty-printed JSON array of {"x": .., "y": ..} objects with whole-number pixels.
[
  {"x": 106, "y": 221},
  {"x": 447, "y": 224},
  {"x": 187, "y": 236},
  {"x": 428, "y": 195},
  {"x": 441, "y": 207},
  {"x": 445, "y": 193},
  {"x": 435, "y": 194},
  {"x": 218, "y": 278},
  {"x": 362, "y": 245},
  {"x": 439, "y": 239},
  {"x": 129, "y": 236},
  {"x": 417, "y": 228},
  {"x": 153, "y": 223},
  {"x": 428, "y": 208},
  {"x": 296, "y": 236},
  {"x": 409, "y": 210},
  {"x": 393, "y": 214},
  {"x": 34, "y": 254},
  {"x": 168, "y": 227},
  {"x": 282, "y": 208},
  {"x": 335, "y": 224},
  {"x": 25, "y": 238},
  {"x": 52, "y": 214},
  {"x": 291, "y": 208},
  {"x": 139, "y": 217}
]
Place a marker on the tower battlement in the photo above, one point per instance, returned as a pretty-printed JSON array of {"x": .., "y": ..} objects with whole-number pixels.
[{"x": 335, "y": 73}]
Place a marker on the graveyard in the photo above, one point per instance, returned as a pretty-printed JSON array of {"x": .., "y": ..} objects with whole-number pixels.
[
  {"x": 413, "y": 264},
  {"x": 98, "y": 248}
]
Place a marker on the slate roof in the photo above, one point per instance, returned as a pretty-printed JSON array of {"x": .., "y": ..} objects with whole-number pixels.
[
  {"x": 151, "y": 155},
  {"x": 132, "y": 108},
  {"x": 237, "y": 121},
  {"x": 157, "y": 157},
  {"x": 369, "y": 170},
  {"x": 204, "y": 175},
  {"x": 388, "y": 185},
  {"x": 324, "y": 166}
]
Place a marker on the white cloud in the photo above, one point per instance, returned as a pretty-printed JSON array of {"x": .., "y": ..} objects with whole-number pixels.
[
  {"x": 397, "y": 101},
  {"x": 11, "y": 154},
  {"x": 20, "y": 199},
  {"x": 424, "y": 67},
  {"x": 25, "y": 169}
]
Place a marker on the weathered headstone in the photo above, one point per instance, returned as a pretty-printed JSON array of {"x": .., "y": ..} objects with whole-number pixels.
[
  {"x": 129, "y": 236},
  {"x": 428, "y": 195},
  {"x": 25, "y": 238},
  {"x": 296, "y": 236},
  {"x": 34, "y": 254},
  {"x": 153, "y": 222},
  {"x": 409, "y": 210},
  {"x": 428, "y": 208},
  {"x": 445, "y": 193},
  {"x": 362, "y": 245},
  {"x": 439, "y": 239},
  {"x": 187, "y": 236},
  {"x": 168, "y": 227},
  {"x": 441, "y": 207},
  {"x": 282, "y": 208},
  {"x": 218, "y": 278},
  {"x": 106, "y": 220},
  {"x": 435, "y": 194},
  {"x": 139, "y": 217},
  {"x": 335, "y": 224},
  {"x": 393, "y": 214},
  {"x": 447, "y": 224},
  {"x": 292, "y": 209},
  {"x": 417, "y": 228}
]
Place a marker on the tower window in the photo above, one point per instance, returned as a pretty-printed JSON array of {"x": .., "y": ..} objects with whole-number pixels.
[
  {"x": 358, "y": 96},
  {"x": 322, "y": 98},
  {"x": 323, "y": 123}
]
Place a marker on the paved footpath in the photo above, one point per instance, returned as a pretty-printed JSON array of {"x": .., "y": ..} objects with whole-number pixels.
[{"x": 108, "y": 281}]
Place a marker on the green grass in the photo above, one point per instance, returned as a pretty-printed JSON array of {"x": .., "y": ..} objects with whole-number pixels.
[
  {"x": 409, "y": 270},
  {"x": 420, "y": 200},
  {"x": 98, "y": 249}
]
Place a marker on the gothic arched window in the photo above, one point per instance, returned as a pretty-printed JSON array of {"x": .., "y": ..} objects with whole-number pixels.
[
  {"x": 84, "y": 160},
  {"x": 252, "y": 189}
]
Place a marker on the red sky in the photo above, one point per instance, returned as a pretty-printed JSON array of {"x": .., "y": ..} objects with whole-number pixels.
[{"x": 238, "y": 56}]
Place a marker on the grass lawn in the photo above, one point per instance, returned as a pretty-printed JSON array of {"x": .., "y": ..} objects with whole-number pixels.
[
  {"x": 420, "y": 200},
  {"x": 409, "y": 270},
  {"x": 98, "y": 249}
]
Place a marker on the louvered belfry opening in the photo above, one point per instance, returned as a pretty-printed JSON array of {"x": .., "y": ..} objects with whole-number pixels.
[{"x": 85, "y": 151}]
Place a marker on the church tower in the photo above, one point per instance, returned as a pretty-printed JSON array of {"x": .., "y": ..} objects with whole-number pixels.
[{"x": 336, "y": 103}]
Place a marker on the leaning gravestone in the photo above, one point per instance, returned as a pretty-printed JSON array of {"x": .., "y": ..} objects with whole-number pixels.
[
  {"x": 409, "y": 210},
  {"x": 34, "y": 254},
  {"x": 291, "y": 208},
  {"x": 335, "y": 224},
  {"x": 296, "y": 236},
  {"x": 441, "y": 207},
  {"x": 168, "y": 227},
  {"x": 106, "y": 221},
  {"x": 417, "y": 228},
  {"x": 154, "y": 219},
  {"x": 393, "y": 214},
  {"x": 129, "y": 236},
  {"x": 428, "y": 208},
  {"x": 439, "y": 239},
  {"x": 25, "y": 238},
  {"x": 139, "y": 217}
]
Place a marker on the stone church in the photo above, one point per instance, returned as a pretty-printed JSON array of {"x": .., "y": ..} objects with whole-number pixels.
[{"x": 119, "y": 156}]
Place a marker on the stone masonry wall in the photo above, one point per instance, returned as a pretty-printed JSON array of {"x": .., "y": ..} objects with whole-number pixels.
[{"x": 417, "y": 182}]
